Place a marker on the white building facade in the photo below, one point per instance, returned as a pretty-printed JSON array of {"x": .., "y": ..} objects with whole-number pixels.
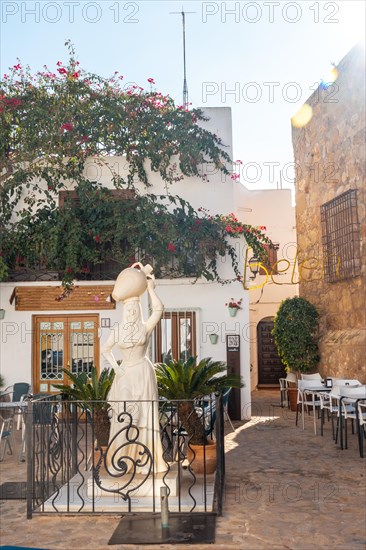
[
  {"x": 194, "y": 309},
  {"x": 272, "y": 209}
]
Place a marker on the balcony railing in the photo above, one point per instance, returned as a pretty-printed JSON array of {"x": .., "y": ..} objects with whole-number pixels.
[{"x": 70, "y": 471}]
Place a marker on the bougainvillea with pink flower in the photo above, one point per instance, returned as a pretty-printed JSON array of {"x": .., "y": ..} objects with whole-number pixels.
[
  {"x": 52, "y": 123},
  {"x": 45, "y": 117}
]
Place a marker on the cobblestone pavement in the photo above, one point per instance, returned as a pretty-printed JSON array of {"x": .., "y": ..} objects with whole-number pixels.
[{"x": 285, "y": 489}]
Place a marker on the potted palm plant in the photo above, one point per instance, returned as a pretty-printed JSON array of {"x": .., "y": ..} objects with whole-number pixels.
[
  {"x": 295, "y": 334},
  {"x": 186, "y": 382},
  {"x": 92, "y": 390}
]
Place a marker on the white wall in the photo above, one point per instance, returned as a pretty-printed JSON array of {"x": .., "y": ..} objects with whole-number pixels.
[
  {"x": 271, "y": 208},
  {"x": 213, "y": 316},
  {"x": 208, "y": 298}
]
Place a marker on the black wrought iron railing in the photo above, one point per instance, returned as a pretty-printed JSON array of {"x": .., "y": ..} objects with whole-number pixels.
[{"x": 76, "y": 466}]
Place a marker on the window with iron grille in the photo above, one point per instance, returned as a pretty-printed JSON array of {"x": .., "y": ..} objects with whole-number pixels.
[
  {"x": 109, "y": 269},
  {"x": 341, "y": 237},
  {"x": 175, "y": 336}
]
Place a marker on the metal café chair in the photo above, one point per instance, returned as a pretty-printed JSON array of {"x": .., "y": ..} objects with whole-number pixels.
[
  {"x": 284, "y": 385},
  {"x": 345, "y": 382},
  {"x": 362, "y": 422},
  {"x": 315, "y": 376},
  {"x": 348, "y": 409},
  {"x": 335, "y": 405},
  {"x": 329, "y": 401},
  {"x": 6, "y": 436},
  {"x": 225, "y": 402},
  {"x": 206, "y": 411},
  {"x": 17, "y": 393},
  {"x": 305, "y": 388}
]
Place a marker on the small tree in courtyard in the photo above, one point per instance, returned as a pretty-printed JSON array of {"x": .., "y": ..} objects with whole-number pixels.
[{"x": 295, "y": 334}]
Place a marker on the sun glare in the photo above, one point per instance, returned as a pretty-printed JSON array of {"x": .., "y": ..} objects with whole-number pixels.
[
  {"x": 302, "y": 117},
  {"x": 330, "y": 76}
]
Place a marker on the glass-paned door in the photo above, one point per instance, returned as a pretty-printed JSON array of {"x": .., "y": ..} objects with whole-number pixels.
[
  {"x": 63, "y": 342},
  {"x": 166, "y": 340},
  {"x": 185, "y": 337}
]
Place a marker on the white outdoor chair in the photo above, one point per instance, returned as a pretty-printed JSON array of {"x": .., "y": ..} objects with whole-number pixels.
[
  {"x": 338, "y": 383},
  {"x": 345, "y": 382},
  {"x": 284, "y": 384},
  {"x": 302, "y": 392},
  {"x": 362, "y": 425},
  {"x": 329, "y": 401},
  {"x": 349, "y": 398},
  {"x": 315, "y": 376}
]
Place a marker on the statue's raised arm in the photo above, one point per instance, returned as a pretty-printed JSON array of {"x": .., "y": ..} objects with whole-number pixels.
[{"x": 156, "y": 305}]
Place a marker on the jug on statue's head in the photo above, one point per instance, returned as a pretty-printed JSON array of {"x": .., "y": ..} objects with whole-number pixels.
[{"x": 131, "y": 282}]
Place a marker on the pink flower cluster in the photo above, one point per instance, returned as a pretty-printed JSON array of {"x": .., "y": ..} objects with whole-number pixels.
[
  {"x": 234, "y": 304},
  {"x": 68, "y": 127},
  {"x": 12, "y": 102}
]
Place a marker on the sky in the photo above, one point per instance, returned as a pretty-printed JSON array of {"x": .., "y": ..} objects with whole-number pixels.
[{"x": 261, "y": 58}]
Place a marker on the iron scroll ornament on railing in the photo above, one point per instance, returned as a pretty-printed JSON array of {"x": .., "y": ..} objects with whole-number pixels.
[
  {"x": 118, "y": 465},
  {"x": 67, "y": 473}
]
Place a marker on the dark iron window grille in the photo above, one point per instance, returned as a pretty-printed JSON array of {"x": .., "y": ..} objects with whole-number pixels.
[{"x": 341, "y": 237}]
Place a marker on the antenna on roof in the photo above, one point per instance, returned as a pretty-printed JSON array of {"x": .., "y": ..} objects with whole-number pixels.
[{"x": 185, "y": 85}]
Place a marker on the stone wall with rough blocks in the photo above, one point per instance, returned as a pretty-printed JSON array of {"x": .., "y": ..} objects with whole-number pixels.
[{"x": 330, "y": 157}]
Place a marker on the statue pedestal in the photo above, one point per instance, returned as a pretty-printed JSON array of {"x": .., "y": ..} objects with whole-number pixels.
[{"x": 145, "y": 486}]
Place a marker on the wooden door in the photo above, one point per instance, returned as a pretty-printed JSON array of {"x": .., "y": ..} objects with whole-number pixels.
[
  {"x": 270, "y": 366},
  {"x": 63, "y": 341}
]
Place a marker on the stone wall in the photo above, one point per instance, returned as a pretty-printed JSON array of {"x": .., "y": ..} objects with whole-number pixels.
[{"x": 330, "y": 157}]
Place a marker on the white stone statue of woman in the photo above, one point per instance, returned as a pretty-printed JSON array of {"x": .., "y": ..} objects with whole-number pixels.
[{"x": 135, "y": 380}]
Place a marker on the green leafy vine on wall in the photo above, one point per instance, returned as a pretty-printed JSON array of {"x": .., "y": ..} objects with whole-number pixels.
[{"x": 52, "y": 122}]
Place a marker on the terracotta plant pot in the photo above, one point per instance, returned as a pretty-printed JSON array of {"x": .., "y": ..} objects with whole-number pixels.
[
  {"x": 202, "y": 452},
  {"x": 101, "y": 427},
  {"x": 292, "y": 395}
]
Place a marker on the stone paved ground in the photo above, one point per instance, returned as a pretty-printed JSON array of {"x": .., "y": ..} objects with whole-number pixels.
[{"x": 285, "y": 489}]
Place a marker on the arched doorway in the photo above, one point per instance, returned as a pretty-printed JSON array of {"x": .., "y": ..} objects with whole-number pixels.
[{"x": 270, "y": 366}]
